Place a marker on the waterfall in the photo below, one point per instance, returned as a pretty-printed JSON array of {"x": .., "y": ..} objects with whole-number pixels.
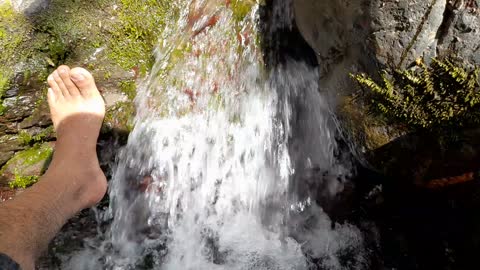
[{"x": 213, "y": 175}]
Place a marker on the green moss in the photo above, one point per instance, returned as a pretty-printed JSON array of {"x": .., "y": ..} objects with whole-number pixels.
[
  {"x": 34, "y": 155},
  {"x": 140, "y": 23},
  {"x": 241, "y": 8},
  {"x": 21, "y": 181},
  {"x": 4, "y": 84},
  {"x": 67, "y": 28},
  {"x": 21, "y": 164},
  {"x": 26, "y": 138},
  {"x": 129, "y": 88},
  {"x": 14, "y": 30},
  {"x": 119, "y": 117}
]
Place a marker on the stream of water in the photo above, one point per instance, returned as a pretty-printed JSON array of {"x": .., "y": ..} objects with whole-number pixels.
[{"x": 212, "y": 174}]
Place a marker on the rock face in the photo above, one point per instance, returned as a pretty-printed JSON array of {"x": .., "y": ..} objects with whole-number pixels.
[
  {"x": 394, "y": 33},
  {"x": 29, "y": 163},
  {"x": 406, "y": 30},
  {"x": 36, "y": 36},
  {"x": 352, "y": 36},
  {"x": 337, "y": 31}
]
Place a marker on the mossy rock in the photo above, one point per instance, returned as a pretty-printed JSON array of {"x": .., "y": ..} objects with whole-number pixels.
[
  {"x": 8, "y": 145},
  {"x": 367, "y": 131},
  {"x": 35, "y": 135},
  {"x": 26, "y": 166},
  {"x": 119, "y": 118}
]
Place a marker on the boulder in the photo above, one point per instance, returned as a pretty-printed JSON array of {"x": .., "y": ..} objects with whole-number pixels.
[
  {"x": 424, "y": 160},
  {"x": 354, "y": 36},
  {"x": 18, "y": 108},
  {"x": 337, "y": 31},
  {"x": 403, "y": 31},
  {"x": 30, "y": 163},
  {"x": 394, "y": 33},
  {"x": 8, "y": 145}
]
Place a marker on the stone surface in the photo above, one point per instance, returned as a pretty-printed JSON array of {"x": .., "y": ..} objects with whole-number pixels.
[
  {"x": 40, "y": 117},
  {"x": 8, "y": 145},
  {"x": 405, "y": 30},
  {"x": 461, "y": 33},
  {"x": 30, "y": 162},
  {"x": 63, "y": 33},
  {"x": 337, "y": 31},
  {"x": 18, "y": 108},
  {"x": 352, "y": 36},
  {"x": 395, "y": 33}
]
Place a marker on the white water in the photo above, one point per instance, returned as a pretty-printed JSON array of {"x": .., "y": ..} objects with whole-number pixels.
[{"x": 207, "y": 178}]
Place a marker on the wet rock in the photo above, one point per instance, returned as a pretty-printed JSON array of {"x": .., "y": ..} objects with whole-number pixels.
[
  {"x": 425, "y": 160},
  {"x": 365, "y": 130},
  {"x": 18, "y": 108},
  {"x": 461, "y": 33},
  {"x": 119, "y": 118},
  {"x": 7, "y": 127},
  {"x": 405, "y": 30},
  {"x": 337, "y": 31},
  {"x": 6, "y": 156},
  {"x": 31, "y": 162},
  {"x": 8, "y": 145},
  {"x": 112, "y": 98},
  {"x": 395, "y": 33},
  {"x": 39, "y": 118}
]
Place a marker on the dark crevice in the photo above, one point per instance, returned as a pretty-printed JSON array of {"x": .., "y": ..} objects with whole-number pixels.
[
  {"x": 448, "y": 18},
  {"x": 280, "y": 44}
]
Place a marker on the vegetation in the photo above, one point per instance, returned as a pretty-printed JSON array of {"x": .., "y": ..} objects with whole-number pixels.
[
  {"x": 4, "y": 84},
  {"x": 120, "y": 116},
  {"x": 28, "y": 139},
  {"x": 23, "y": 181},
  {"x": 136, "y": 34},
  {"x": 443, "y": 95},
  {"x": 129, "y": 88},
  {"x": 241, "y": 8},
  {"x": 13, "y": 32},
  {"x": 21, "y": 165},
  {"x": 34, "y": 155}
]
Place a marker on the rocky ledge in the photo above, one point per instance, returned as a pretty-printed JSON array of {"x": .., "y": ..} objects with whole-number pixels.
[{"x": 113, "y": 39}]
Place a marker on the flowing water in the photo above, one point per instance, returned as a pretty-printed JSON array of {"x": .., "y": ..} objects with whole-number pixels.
[{"x": 213, "y": 176}]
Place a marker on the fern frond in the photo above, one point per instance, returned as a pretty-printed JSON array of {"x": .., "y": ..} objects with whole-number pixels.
[{"x": 442, "y": 94}]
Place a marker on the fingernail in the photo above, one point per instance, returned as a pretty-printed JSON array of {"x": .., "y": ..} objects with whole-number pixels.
[
  {"x": 62, "y": 70},
  {"x": 77, "y": 77}
]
